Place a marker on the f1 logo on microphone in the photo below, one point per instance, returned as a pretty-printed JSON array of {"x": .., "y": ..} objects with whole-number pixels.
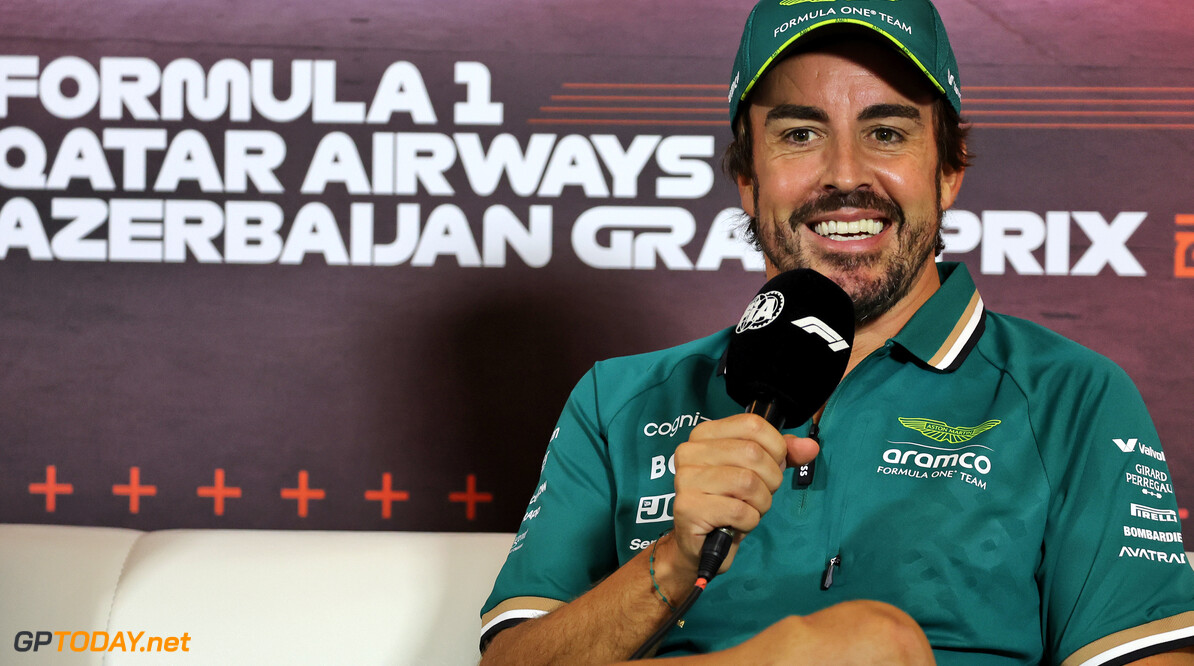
[{"x": 818, "y": 327}]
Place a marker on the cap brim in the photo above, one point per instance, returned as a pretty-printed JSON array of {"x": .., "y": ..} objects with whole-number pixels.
[{"x": 842, "y": 22}]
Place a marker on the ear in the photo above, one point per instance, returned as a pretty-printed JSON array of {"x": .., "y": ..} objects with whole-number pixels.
[
  {"x": 746, "y": 193},
  {"x": 951, "y": 182}
]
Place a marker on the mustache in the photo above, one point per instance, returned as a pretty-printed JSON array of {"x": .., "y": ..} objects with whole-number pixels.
[{"x": 832, "y": 201}]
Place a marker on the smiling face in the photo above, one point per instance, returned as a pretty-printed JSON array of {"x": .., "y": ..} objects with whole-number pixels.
[{"x": 846, "y": 175}]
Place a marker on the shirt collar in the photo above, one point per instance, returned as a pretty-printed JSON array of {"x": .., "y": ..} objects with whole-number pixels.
[{"x": 944, "y": 330}]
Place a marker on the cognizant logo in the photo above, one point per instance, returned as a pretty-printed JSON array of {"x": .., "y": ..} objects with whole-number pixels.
[{"x": 674, "y": 426}]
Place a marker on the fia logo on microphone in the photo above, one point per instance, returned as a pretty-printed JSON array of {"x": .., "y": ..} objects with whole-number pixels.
[{"x": 763, "y": 310}]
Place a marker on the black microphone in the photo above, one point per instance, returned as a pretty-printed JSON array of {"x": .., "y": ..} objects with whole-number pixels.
[{"x": 786, "y": 355}]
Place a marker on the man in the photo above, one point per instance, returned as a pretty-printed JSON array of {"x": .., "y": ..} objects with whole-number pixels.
[{"x": 976, "y": 494}]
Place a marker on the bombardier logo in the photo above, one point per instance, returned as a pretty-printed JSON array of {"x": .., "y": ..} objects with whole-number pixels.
[
  {"x": 817, "y": 327},
  {"x": 942, "y": 432}
]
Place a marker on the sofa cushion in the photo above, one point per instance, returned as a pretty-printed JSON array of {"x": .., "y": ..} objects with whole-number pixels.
[{"x": 253, "y": 597}]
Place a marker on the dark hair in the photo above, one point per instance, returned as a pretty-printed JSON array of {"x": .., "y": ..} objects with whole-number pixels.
[{"x": 949, "y": 130}]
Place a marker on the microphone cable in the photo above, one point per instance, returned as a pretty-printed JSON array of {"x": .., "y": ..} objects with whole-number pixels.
[{"x": 713, "y": 554}]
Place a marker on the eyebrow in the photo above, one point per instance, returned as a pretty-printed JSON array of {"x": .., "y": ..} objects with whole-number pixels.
[
  {"x": 804, "y": 112},
  {"x": 890, "y": 111},
  {"x": 796, "y": 112}
]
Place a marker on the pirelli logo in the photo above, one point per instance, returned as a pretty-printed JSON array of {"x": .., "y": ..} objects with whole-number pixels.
[{"x": 1158, "y": 515}]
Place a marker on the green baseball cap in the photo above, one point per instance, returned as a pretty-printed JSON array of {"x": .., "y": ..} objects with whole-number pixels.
[{"x": 913, "y": 26}]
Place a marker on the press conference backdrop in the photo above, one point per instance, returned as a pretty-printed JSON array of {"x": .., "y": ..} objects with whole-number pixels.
[{"x": 337, "y": 265}]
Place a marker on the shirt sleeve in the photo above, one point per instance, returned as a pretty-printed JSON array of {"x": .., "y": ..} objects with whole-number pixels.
[
  {"x": 572, "y": 504},
  {"x": 1115, "y": 584}
]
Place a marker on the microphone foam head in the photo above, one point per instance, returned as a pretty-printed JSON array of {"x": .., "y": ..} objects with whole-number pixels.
[{"x": 791, "y": 345}]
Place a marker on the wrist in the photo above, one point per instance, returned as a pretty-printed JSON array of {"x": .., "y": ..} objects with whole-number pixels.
[{"x": 672, "y": 575}]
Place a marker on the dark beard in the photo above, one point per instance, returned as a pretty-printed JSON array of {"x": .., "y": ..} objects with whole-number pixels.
[{"x": 917, "y": 242}]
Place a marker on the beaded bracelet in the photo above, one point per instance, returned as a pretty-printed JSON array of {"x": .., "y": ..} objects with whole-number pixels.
[{"x": 651, "y": 569}]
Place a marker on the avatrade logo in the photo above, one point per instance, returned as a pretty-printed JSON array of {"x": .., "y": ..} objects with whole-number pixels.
[
  {"x": 1130, "y": 445},
  {"x": 1153, "y": 555},
  {"x": 762, "y": 310}
]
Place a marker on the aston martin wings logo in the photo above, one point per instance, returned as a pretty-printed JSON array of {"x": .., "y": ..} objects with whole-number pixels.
[{"x": 941, "y": 432}]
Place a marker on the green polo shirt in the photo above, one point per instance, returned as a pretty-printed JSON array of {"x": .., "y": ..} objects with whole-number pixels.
[{"x": 1001, "y": 484}]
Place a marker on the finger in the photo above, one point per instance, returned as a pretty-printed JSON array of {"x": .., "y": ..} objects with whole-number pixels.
[
  {"x": 801, "y": 450},
  {"x": 730, "y": 453},
  {"x": 697, "y": 515},
  {"x": 744, "y": 426},
  {"x": 736, "y": 483}
]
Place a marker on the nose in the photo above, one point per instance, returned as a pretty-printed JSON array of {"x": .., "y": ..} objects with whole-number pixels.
[{"x": 844, "y": 168}]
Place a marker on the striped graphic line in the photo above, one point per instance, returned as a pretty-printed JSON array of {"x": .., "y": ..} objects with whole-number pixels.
[
  {"x": 722, "y": 87},
  {"x": 1120, "y": 89},
  {"x": 1063, "y": 100},
  {"x": 627, "y": 109},
  {"x": 625, "y": 121},
  {"x": 1131, "y": 126},
  {"x": 645, "y": 86},
  {"x": 1137, "y": 107},
  {"x": 634, "y": 98},
  {"x": 1063, "y": 112}
]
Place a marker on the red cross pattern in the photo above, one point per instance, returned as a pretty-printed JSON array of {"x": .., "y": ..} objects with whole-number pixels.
[
  {"x": 386, "y": 495},
  {"x": 219, "y": 492},
  {"x": 51, "y": 488},
  {"x": 303, "y": 493},
  {"x": 134, "y": 490},
  {"x": 470, "y": 497}
]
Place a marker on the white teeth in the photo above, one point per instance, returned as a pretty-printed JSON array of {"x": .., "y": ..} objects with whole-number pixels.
[{"x": 857, "y": 229}]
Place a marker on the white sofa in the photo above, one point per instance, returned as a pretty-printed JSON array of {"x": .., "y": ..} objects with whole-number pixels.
[{"x": 243, "y": 596}]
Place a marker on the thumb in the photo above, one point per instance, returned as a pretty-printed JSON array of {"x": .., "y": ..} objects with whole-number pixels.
[{"x": 801, "y": 450}]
